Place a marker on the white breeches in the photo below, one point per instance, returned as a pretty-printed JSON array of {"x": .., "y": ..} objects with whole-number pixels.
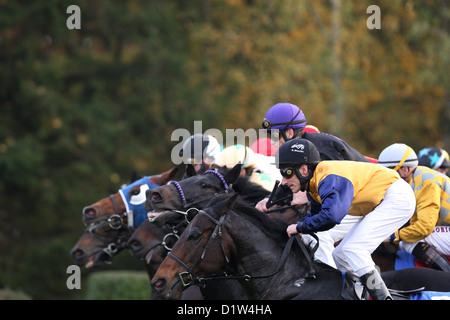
[
  {"x": 353, "y": 254},
  {"x": 439, "y": 238}
]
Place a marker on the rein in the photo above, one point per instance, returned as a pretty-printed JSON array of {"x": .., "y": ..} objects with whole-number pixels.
[
  {"x": 216, "y": 233},
  {"x": 189, "y": 276},
  {"x": 297, "y": 212},
  {"x": 115, "y": 222}
]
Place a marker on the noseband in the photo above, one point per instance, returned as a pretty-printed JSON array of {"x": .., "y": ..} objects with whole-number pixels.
[
  {"x": 187, "y": 277},
  {"x": 115, "y": 222}
]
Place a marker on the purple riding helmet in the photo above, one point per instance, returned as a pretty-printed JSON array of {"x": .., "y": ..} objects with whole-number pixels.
[{"x": 284, "y": 116}]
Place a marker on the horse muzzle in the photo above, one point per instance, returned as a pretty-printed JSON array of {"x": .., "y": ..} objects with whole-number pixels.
[
  {"x": 167, "y": 289},
  {"x": 153, "y": 196}
]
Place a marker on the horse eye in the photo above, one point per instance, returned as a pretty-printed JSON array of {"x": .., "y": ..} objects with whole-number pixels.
[
  {"x": 203, "y": 185},
  {"x": 194, "y": 234},
  {"x": 135, "y": 192}
]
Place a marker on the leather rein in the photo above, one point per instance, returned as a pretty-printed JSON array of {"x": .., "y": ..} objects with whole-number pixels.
[
  {"x": 188, "y": 278},
  {"x": 115, "y": 222}
]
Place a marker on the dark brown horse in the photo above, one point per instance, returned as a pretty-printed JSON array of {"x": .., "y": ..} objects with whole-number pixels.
[
  {"x": 101, "y": 242},
  {"x": 228, "y": 241},
  {"x": 109, "y": 224},
  {"x": 191, "y": 193},
  {"x": 151, "y": 242}
]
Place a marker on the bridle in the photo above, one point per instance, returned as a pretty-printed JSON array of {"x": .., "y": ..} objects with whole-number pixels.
[
  {"x": 217, "y": 233},
  {"x": 116, "y": 222},
  {"x": 188, "y": 278},
  {"x": 183, "y": 197},
  {"x": 189, "y": 211}
]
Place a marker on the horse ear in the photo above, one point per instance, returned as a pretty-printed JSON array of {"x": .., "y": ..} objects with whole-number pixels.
[
  {"x": 233, "y": 174},
  {"x": 134, "y": 176},
  {"x": 173, "y": 172},
  {"x": 202, "y": 169},
  {"x": 190, "y": 171},
  {"x": 230, "y": 202},
  {"x": 225, "y": 203},
  {"x": 165, "y": 177}
]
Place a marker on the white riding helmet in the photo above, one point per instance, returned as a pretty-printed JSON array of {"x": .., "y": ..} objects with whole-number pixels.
[
  {"x": 234, "y": 154},
  {"x": 198, "y": 147},
  {"x": 398, "y": 155}
]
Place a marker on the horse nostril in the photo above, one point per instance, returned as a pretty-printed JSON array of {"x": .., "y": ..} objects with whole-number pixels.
[
  {"x": 159, "y": 284},
  {"x": 77, "y": 253},
  {"x": 89, "y": 212},
  {"x": 156, "y": 197},
  {"x": 134, "y": 244}
]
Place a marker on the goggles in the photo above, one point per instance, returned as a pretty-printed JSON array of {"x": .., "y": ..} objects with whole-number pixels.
[{"x": 287, "y": 172}]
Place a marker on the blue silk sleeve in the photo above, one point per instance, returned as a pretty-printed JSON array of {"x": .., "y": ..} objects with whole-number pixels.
[{"x": 336, "y": 194}]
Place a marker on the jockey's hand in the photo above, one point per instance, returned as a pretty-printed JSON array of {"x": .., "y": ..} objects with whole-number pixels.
[
  {"x": 299, "y": 198},
  {"x": 261, "y": 206},
  {"x": 292, "y": 229}
]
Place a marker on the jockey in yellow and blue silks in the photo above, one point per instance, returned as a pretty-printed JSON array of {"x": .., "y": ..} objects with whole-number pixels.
[
  {"x": 338, "y": 188},
  {"x": 286, "y": 121},
  {"x": 432, "y": 191}
]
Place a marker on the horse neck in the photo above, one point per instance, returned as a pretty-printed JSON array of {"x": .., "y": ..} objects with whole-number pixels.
[{"x": 257, "y": 254}]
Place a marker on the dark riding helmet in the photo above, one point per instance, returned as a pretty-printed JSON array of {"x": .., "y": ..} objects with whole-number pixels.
[
  {"x": 296, "y": 152},
  {"x": 283, "y": 116},
  {"x": 434, "y": 158}
]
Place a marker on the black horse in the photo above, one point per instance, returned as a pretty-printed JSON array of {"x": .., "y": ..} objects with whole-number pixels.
[{"x": 241, "y": 243}]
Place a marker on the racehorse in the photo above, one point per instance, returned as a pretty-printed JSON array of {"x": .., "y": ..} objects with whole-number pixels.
[
  {"x": 191, "y": 193},
  {"x": 151, "y": 242},
  {"x": 228, "y": 241},
  {"x": 110, "y": 223},
  {"x": 100, "y": 242},
  {"x": 126, "y": 199},
  {"x": 197, "y": 189}
]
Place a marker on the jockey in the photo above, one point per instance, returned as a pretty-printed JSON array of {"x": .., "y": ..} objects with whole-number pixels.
[
  {"x": 290, "y": 123},
  {"x": 200, "y": 149},
  {"x": 337, "y": 188},
  {"x": 434, "y": 158},
  {"x": 238, "y": 153},
  {"x": 421, "y": 237}
]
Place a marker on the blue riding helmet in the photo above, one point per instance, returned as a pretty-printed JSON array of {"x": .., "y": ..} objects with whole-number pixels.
[
  {"x": 135, "y": 203},
  {"x": 284, "y": 116}
]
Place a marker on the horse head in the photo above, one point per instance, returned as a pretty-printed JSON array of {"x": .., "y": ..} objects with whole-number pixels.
[
  {"x": 112, "y": 220},
  {"x": 194, "y": 191},
  {"x": 188, "y": 256},
  {"x": 100, "y": 242},
  {"x": 130, "y": 198},
  {"x": 152, "y": 242}
]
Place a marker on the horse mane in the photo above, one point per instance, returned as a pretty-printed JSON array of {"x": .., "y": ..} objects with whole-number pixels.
[
  {"x": 272, "y": 227},
  {"x": 250, "y": 189}
]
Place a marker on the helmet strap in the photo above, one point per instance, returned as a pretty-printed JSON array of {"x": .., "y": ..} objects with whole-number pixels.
[
  {"x": 283, "y": 133},
  {"x": 294, "y": 134},
  {"x": 303, "y": 180},
  {"x": 405, "y": 156}
]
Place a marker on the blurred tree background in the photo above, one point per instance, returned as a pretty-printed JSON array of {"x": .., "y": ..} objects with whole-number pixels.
[{"x": 81, "y": 109}]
